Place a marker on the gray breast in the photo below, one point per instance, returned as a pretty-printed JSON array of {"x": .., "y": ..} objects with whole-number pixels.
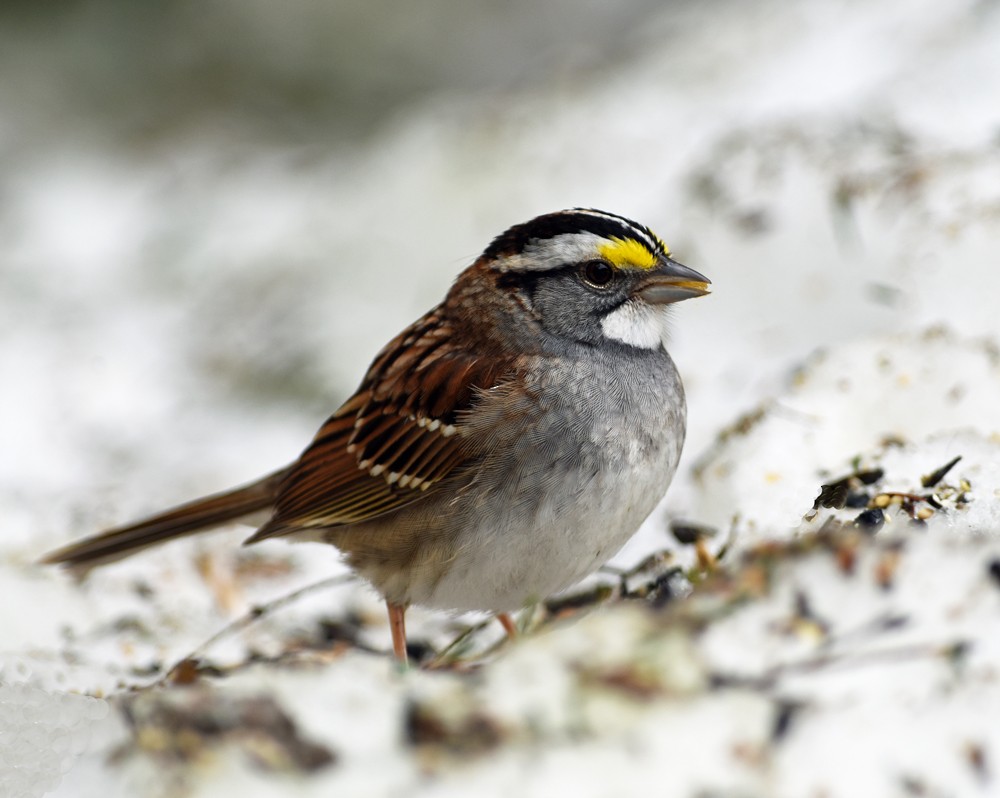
[{"x": 576, "y": 464}]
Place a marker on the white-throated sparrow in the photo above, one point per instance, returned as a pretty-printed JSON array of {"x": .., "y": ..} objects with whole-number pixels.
[{"x": 500, "y": 448}]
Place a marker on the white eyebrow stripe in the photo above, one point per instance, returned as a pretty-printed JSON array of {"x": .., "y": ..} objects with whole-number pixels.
[{"x": 550, "y": 253}]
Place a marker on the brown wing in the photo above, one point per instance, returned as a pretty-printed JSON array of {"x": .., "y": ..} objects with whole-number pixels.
[{"x": 398, "y": 436}]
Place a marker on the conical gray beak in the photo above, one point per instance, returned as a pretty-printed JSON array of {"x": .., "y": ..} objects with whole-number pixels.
[{"x": 671, "y": 282}]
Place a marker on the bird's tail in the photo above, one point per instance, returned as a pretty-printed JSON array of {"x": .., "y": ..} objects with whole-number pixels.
[{"x": 199, "y": 515}]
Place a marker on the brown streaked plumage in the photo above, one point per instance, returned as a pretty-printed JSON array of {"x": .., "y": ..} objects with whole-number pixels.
[
  {"x": 388, "y": 445},
  {"x": 385, "y": 447},
  {"x": 393, "y": 440}
]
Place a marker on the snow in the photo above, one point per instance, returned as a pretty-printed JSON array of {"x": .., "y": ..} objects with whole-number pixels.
[
  {"x": 180, "y": 319},
  {"x": 902, "y": 387}
]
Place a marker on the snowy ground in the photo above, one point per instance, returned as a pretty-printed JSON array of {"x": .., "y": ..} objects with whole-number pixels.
[{"x": 180, "y": 321}]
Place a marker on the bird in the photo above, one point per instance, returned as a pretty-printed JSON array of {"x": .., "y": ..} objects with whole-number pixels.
[{"x": 499, "y": 449}]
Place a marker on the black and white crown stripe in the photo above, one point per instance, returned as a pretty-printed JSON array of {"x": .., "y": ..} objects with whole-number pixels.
[{"x": 564, "y": 237}]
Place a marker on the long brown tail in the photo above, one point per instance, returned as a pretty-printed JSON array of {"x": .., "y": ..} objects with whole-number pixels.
[{"x": 199, "y": 515}]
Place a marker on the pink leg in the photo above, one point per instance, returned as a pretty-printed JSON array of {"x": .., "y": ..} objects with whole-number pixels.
[
  {"x": 397, "y": 622},
  {"x": 508, "y": 624}
]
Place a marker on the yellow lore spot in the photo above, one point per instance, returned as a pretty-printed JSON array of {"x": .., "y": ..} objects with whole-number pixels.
[{"x": 627, "y": 253}]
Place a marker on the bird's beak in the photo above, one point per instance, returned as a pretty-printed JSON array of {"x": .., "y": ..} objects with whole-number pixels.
[{"x": 671, "y": 282}]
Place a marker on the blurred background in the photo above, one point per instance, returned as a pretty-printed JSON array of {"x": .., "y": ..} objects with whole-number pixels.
[{"x": 214, "y": 213}]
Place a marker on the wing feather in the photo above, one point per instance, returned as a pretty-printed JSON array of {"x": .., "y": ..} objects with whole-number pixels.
[{"x": 396, "y": 438}]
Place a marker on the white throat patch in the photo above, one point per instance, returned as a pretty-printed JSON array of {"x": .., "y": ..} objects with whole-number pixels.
[{"x": 637, "y": 324}]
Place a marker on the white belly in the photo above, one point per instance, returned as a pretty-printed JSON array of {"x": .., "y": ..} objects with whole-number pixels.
[{"x": 502, "y": 567}]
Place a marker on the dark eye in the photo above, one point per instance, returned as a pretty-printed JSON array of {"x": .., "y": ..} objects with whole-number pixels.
[{"x": 597, "y": 273}]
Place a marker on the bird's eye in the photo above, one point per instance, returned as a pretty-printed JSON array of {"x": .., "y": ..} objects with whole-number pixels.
[{"x": 597, "y": 273}]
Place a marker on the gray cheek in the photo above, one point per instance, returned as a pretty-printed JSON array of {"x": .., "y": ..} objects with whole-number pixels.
[{"x": 568, "y": 310}]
